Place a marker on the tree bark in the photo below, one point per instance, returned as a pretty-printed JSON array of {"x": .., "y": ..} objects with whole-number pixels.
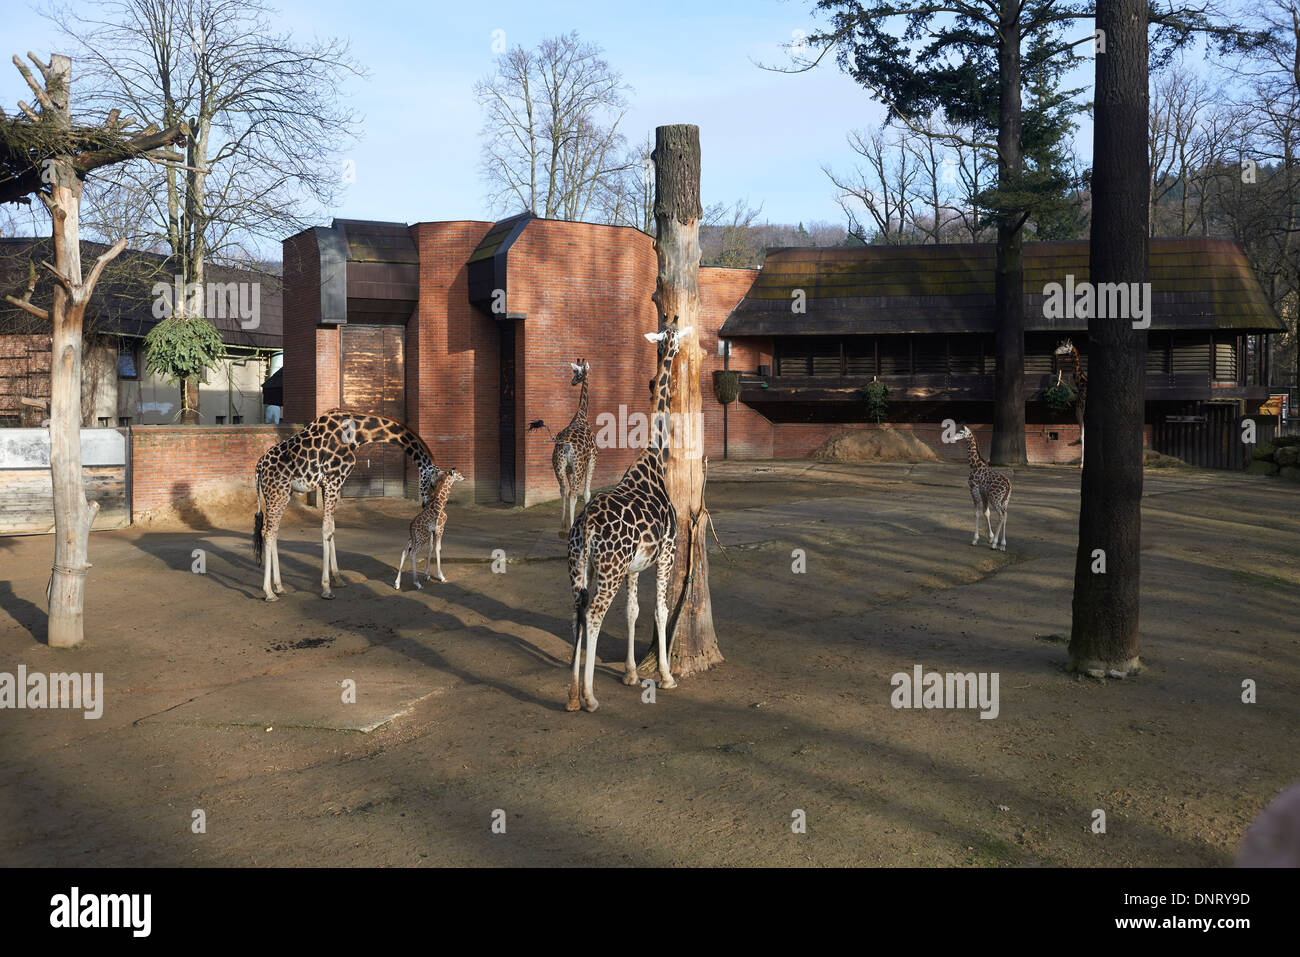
[
  {"x": 693, "y": 643},
  {"x": 1104, "y": 636},
  {"x": 1008, "y": 445},
  {"x": 62, "y": 172}
]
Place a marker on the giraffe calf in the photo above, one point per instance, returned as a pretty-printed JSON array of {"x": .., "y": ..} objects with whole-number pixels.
[{"x": 426, "y": 531}]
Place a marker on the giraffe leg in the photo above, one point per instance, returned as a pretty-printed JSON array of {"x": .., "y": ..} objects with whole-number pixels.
[
  {"x": 578, "y": 580},
  {"x": 630, "y": 677},
  {"x": 1002, "y": 531},
  {"x": 334, "y": 565},
  {"x": 663, "y": 575},
  {"x": 976, "y": 539},
  {"x": 275, "y": 558},
  {"x": 398, "y": 584},
  {"x": 988, "y": 515},
  {"x": 330, "y": 497},
  {"x": 1081, "y": 445},
  {"x": 606, "y": 586},
  {"x": 437, "y": 550},
  {"x": 591, "y": 470},
  {"x": 565, "y": 519},
  {"x": 271, "y": 586}
]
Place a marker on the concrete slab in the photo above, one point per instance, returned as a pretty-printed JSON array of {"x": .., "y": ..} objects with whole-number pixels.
[{"x": 387, "y": 686}]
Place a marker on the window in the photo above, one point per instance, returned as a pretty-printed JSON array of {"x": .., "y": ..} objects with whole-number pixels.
[
  {"x": 126, "y": 364},
  {"x": 123, "y": 421},
  {"x": 103, "y": 421},
  {"x": 10, "y": 421},
  {"x": 237, "y": 420},
  {"x": 221, "y": 420}
]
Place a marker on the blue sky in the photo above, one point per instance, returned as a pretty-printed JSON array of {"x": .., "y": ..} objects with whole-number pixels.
[{"x": 764, "y": 135}]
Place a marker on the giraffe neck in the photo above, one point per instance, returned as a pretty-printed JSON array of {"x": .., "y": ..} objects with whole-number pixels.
[
  {"x": 581, "y": 414},
  {"x": 659, "y": 430},
  {"x": 1080, "y": 380},
  {"x": 973, "y": 453},
  {"x": 380, "y": 428},
  {"x": 441, "y": 491}
]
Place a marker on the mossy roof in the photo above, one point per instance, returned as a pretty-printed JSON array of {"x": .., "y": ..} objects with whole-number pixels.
[{"x": 1196, "y": 283}]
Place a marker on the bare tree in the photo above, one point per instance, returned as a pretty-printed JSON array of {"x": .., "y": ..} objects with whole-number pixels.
[
  {"x": 266, "y": 129},
  {"x": 551, "y": 139},
  {"x": 727, "y": 236},
  {"x": 883, "y": 188},
  {"x": 46, "y": 154}
]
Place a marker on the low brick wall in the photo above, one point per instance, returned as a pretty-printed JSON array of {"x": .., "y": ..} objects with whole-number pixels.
[{"x": 173, "y": 464}]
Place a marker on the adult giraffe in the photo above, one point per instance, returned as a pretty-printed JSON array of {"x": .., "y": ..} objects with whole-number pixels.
[
  {"x": 619, "y": 534},
  {"x": 321, "y": 456}
]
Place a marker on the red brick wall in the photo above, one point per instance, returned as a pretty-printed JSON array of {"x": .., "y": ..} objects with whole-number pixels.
[
  {"x": 453, "y": 360},
  {"x": 175, "y": 463},
  {"x": 586, "y": 292}
]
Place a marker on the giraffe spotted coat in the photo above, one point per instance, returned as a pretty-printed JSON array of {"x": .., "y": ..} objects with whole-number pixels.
[
  {"x": 574, "y": 454},
  {"x": 990, "y": 492},
  {"x": 619, "y": 534},
  {"x": 426, "y": 532},
  {"x": 321, "y": 456}
]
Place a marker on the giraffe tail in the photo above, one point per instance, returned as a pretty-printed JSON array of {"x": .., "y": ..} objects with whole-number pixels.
[{"x": 258, "y": 522}]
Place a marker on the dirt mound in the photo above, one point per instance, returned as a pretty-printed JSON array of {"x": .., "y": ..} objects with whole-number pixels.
[
  {"x": 1152, "y": 459},
  {"x": 218, "y": 505},
  {"x": 883, "y": 445}
]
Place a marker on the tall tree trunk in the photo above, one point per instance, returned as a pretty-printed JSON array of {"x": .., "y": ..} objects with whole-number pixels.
[
  {"x": 693, "y": 642},
  {"x": 73, "y": 515},
  {"x": 1008, "y": 445},
  {"x": 1104, "y": 637}
]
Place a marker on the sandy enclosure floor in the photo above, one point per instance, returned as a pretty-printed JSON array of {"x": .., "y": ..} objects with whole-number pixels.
[{"x": 217, "y": 701}]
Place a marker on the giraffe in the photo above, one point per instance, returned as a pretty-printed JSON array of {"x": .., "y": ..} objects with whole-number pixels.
[
  {"x": 1067, "y": 348},
  {"x": 574, "y": 455},
  {"x": 426, "y": 531},
  {"x": 988, "y": 490},
  {"x": 321, "y": 456},
  {"x": 621, "y": 532}
]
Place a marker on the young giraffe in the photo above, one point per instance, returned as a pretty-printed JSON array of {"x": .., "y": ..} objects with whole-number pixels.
[
  {"x": 621, "y": 532},
  {"x": 321, "y": 456},
  {"x": 1067, "y": 348},
  {"x": 988, "y": 490},
  {"x": 574, "y": 455},
  {"x": 426, "y": 531}
]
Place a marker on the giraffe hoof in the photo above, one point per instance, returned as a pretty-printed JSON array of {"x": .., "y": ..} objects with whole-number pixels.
[
  {"x": 327, "y": 594},
  {"x": 631, "y": 679},
  {"x": 279, "y": 589},
  {"x": 592, "y": 705},
  {"x": 442, "y": 578},
  {"x": 667, "y": 682},
  {"x": 1002, "y": 547},
  {"x": 272, "y": 598}
]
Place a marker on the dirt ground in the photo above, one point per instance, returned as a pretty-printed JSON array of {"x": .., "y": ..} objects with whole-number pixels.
[{"x": 219, "y": 702}]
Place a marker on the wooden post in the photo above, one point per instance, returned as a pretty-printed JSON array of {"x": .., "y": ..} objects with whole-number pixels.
[{"x": 693, "y": 644}]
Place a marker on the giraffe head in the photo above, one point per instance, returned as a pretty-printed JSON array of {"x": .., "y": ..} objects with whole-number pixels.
[
  {"x": 452, "y": 477},
  {"x": 965, "y": 433},
  {"x": 1065, "y": 348},
  {"x": 673, "y": 337},
  {"x": 580, "y": 370}
]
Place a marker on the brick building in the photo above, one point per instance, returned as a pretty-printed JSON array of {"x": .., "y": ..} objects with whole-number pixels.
[{"x": 465, "y": 330}]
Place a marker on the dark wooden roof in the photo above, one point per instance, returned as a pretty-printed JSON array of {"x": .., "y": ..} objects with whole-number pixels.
[
  {"x": 488, "y": 264},
  {"x": 383, "y": 271},
  {"x": 1195, "y": 284},
  {"x": 123, "y": 301}
]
